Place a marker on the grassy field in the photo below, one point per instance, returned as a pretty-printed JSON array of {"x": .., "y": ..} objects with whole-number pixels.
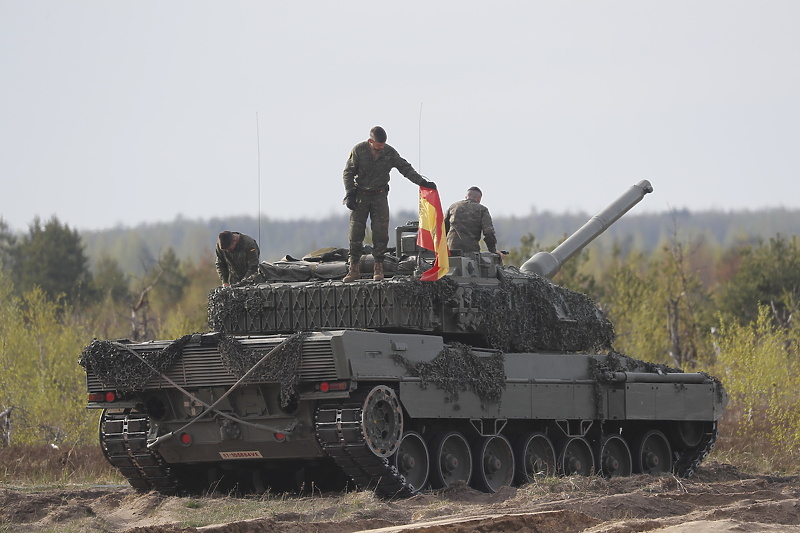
[{"x": 32, "y": 466}]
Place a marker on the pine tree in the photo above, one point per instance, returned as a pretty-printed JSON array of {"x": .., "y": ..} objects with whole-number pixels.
[
  {"x": 7, "y": 243},
  {"x": 52, "y": 257}
]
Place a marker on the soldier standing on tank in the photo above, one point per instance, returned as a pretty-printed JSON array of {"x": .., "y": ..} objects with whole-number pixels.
[
  {"x": 366, "y": 187},
  {"x": 237, "y": 257},
  {"x": 464, "y": 222}
]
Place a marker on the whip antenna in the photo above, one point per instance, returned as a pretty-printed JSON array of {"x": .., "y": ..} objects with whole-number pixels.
[
  {"x": 258, "y": 156},
  {"x": 419, "y": 138}
]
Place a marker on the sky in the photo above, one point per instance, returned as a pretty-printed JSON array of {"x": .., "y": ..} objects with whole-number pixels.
[{"x": 121, "y": 113}]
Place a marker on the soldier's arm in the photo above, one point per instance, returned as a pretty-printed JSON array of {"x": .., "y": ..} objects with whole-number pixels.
[
  {"x": 489, "y": 236},
  {"x": 222, "y": 267},
  {"x": 405, "y": 168},
  {"x": 253, "y": 255},
  {"x": 350, "y": 171}
]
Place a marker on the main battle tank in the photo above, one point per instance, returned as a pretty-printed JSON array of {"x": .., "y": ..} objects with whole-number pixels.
[{"x": 490, "y": 376}]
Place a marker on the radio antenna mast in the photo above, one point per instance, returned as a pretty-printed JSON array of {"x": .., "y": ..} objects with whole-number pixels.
[
  {"x": 419, "y": 138},
  {"x": 258, "y": 156}
]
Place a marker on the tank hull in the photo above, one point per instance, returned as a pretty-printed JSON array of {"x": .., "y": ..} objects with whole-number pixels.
[{"x": 391, "y": 411}]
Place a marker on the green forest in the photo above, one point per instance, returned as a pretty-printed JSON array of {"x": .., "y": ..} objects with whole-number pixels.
[{"x": 711, "y": 292}]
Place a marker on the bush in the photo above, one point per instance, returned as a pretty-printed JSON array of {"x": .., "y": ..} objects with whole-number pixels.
[
  {"x": 39, "y": 347},
  {"x": 758, "y": 363}
]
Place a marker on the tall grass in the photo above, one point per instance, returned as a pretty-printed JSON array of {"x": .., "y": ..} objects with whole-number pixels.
[{"x": 31, "y": 466}]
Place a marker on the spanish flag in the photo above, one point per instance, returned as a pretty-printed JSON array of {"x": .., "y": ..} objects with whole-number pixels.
[{"x": 431, "y": 232}]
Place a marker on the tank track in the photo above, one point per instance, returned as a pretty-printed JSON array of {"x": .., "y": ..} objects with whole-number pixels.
[
  {"x": 339, "y": 432},
  {"x": 123, "y": 439},
  {"x": 689, "y": 461}
]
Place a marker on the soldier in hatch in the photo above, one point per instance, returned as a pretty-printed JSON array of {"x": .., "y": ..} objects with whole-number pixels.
[
  {"x": 237, "y": 257},
  {"x": 366, "y": 186},
  {"x": 464, "y": 222}
]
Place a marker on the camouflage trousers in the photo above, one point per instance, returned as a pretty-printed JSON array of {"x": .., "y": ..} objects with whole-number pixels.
[{"x": 376, "y": 207}]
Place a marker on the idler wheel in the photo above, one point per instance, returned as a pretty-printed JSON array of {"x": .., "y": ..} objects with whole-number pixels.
[
  {"x": 687, "y": 434},
  {"x": 382, "y": 421}
]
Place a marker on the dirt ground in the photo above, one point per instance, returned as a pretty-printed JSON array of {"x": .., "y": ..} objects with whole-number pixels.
[{"x": 718, "y": 498}]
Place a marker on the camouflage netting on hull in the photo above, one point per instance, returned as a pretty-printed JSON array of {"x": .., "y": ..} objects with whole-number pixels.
[
  {"x": 619, "y": 362},
  {"x": 119, "y": 367},
  {"x": 514, "y": 313},
  {"x": 280, "y": 367},
  {"x": 602, "y": 371},
  {"x": 457, "y": 369}
]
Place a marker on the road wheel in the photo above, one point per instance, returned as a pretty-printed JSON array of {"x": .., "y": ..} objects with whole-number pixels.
[
  {"x": 534, "y": 458},
  {"x": 653, "y": 454},
  {"x": 411, "y": 460},
  {"x": 494, "y": 463},
  {"x": 575, "y": 457},
  {"x": 452, "y": 460},
  {"x": 614, "y": 457}
]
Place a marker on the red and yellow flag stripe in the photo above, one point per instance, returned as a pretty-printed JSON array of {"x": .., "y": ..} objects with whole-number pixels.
[{"x": 431, "y": 232}]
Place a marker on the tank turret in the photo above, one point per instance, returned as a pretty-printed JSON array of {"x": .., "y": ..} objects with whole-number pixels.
[{"x": 479, "y": 302}]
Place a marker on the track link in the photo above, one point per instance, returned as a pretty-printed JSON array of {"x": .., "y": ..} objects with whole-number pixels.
[
  {"x": 689, "y": 461},
  {"x": 340, "y": 433},
  {"x": 123, "y": 439}
]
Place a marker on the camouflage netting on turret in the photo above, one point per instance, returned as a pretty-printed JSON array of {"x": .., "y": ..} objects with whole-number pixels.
[
  {"x": 122, "y": 369},
  {"x": 532, "y": 313},
  {"x": 280, "y": 367},
  {"x": 228, "y": 304},
  {"x": 513, "y": 313},
  {"x": 457, "y": 369},
  {"x": 522, "y": 313}
]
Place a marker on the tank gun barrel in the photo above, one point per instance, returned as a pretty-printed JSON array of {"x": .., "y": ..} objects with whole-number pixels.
[{"x": 548, "y": 264}]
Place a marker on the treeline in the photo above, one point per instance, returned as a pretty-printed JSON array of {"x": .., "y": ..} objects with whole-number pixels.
[
  {"x": 193, "y": 240},
  {"x": 677, "y": 296}
]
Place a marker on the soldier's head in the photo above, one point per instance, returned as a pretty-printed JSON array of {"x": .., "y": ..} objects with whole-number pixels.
[
  {"x": 227, "y": 240},
  {"x": 474, "y": 194},
  {"x": 377, "y": 138}
]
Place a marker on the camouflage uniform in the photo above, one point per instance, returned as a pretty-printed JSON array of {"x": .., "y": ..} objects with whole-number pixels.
[
  {"x": 368, "y": 178},
  {"x": 233, "y": 267},
  {"x": 464, "y": 222}
]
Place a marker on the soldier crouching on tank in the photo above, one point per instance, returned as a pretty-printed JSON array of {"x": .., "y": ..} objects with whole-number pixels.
[
  {"x": 366, "y": 186},
  {"x": 464, "y": 222},
  {"x": 237, "y": 257}
]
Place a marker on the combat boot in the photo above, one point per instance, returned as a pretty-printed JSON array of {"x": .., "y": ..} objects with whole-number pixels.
[
  {"x": 354, "y": 272},
  {"x": 377, "y": 272}
]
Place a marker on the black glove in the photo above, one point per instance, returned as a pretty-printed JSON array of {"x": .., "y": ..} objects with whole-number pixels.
[
  {"x": 429, "y": 185},
  {"x": 350, "y": 200}
]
